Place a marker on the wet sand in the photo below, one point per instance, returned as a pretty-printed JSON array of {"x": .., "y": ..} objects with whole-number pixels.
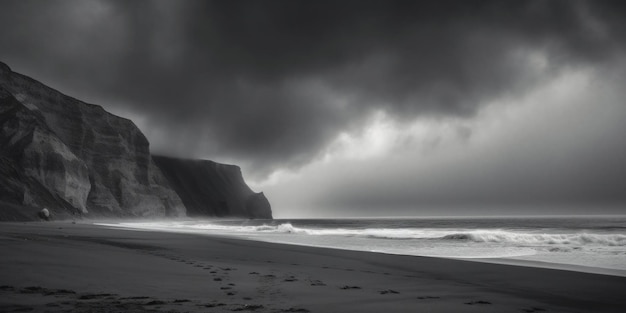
[{"x": 65, "y": 267}]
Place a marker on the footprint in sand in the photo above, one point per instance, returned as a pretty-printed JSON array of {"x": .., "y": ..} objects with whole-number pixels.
[
  {"x": 317, "y": 283},
  {"x": 478, "y": 302},
  {"x": 534, "y": 309},
  {"x": 248, "y": 307},
  {"x": 349, "y": 287},
  {"x": 428, "y": 297},
  {"x": 388, "y": 291},
  {"x": 212, "y": 305},
  {"x": 135, "y": 298},
  {"x": 95, "y": 296},
  {"x": 290, "y": 279}
]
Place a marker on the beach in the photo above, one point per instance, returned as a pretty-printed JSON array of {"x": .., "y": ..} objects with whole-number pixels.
[{"x": 64, "y": 266}]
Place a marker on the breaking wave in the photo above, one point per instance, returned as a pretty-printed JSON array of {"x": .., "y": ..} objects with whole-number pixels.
[
  {"x": 494, "y": 236},
  {"x": 469, "y": 235},
  {"x": 579, "y": 239}
]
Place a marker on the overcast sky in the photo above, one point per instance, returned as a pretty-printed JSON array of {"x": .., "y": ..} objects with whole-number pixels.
[{"x": 358, "y": 108}]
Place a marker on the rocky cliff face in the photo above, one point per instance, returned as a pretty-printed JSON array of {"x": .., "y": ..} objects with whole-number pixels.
[
  {"x": 76, "y": 158},
  {"x": 82, "y": 156},
  {"x": 208, "y": 188},
  {"x": 35, "y": 167}
]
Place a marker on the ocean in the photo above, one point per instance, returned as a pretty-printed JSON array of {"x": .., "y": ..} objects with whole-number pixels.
[{"x": 589, "y": 243}]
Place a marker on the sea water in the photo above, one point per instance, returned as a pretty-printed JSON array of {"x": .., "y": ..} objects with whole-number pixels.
[{"x": 590, "y": 242}]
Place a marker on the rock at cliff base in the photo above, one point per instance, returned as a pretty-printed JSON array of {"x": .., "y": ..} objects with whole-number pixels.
[{"x": 44, "y": 214}]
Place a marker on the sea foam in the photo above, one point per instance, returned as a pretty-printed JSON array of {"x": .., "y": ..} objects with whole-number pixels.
[
  {"x": 534, "y": 237},
  {"x": 503, "y": 236},
  {"x": 579, "y": 239}
]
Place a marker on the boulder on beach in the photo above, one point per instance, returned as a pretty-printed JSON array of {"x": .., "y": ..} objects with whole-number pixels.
[{"x": 44, "y": 214}]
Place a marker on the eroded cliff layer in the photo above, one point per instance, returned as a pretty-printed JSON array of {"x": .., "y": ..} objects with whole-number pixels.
[
  {"x": 75, "y": 158},
  {"x": 208, "y": 188},
  {"x": 62, "y": 153},
  {"x": 35, "y": 168}
]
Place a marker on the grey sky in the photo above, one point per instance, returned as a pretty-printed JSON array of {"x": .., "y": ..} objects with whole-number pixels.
[{"x": 353, "y": 106}]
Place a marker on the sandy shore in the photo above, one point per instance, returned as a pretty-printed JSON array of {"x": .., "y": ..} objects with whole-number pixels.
[{"x": 65, "y": 267}]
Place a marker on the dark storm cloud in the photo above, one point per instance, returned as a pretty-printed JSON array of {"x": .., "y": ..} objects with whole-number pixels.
[
  {"x": 557, "y": 150},
  {"x": 271, "y": 83}
]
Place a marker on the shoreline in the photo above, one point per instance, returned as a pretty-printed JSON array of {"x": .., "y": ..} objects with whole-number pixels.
[
  {"x": 514, "y": 260},
  {"x": 60, "y": 266}
]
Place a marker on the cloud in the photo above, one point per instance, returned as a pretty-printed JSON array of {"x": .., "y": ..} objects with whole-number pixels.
[
  {"x": 357, "y": 104},
  {"x": 270, "y": 84},
  {"x": 558, "y": 150}
]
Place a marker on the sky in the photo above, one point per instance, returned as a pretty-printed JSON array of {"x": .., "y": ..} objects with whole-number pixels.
[{"x": 358, "y": 108}]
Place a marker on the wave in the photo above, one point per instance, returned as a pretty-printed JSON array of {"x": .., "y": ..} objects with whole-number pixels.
[
  {"x": 493, "y": 236},
  {"x": 578, "y": 239},
  {"x": 469, "y": 235}
]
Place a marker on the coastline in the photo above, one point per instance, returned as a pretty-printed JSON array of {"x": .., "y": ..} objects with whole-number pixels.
[
  {"x": 60, "y": 266},
  {"x": 514, "y": 250}
]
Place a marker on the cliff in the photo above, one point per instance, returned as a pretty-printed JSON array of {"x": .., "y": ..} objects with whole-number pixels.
[
  {"x": 72, "y": 156},
  {"x": 76, "y": 158},
  {"x": 208, "y": 188},
  {"x": 36, "y": 168}
]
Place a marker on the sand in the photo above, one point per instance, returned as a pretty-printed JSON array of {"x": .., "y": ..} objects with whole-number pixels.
[{"x": 65, "y": 267}]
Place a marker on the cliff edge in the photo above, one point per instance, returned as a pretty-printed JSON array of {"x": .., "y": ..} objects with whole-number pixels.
[
  {"x": 76, "y": 158},
  {"x": 208, "y": 188},
  {"x": 88, "y": 160}
]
